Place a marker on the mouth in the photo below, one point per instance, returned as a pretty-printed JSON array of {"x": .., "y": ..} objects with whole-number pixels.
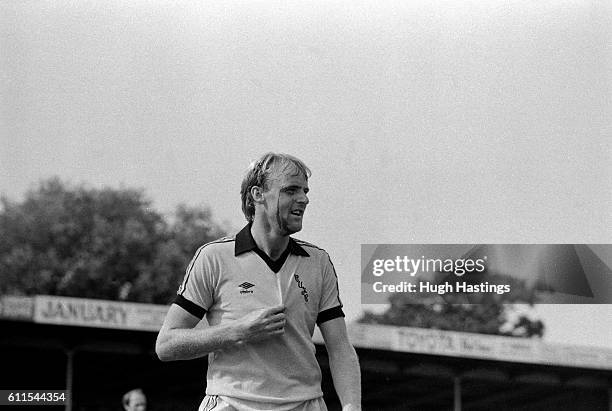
[{"x": 298, "y": 213}]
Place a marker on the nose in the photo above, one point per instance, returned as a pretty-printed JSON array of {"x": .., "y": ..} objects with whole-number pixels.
[{"x": 303, "y": 199}]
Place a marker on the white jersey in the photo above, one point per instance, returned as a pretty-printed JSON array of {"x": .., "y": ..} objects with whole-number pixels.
[{"x": 231, "y": 277}]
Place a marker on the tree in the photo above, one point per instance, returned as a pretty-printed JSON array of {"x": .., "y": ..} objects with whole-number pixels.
[
  {"x": 484, "y": 313},
  {"x": 97, "y": 243},
  {"x": 190, "y": 228}
]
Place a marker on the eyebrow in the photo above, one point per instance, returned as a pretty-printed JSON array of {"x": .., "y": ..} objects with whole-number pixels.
[{"x": 294, "y": 186}]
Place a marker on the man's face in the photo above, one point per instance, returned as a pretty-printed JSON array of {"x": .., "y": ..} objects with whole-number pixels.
[
  {"x": 285, "y": 201},
  {"x": 138, "y": 402}
]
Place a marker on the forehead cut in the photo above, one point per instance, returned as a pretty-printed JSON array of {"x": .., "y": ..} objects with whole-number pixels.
[
  {"x": 276, "y": 170},
  {"x": 280, "y": 173}
]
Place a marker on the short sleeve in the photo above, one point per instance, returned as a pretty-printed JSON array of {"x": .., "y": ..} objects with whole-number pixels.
[
  {"x": 195, "y": 293},
  {"x": 330, "y": 306}
]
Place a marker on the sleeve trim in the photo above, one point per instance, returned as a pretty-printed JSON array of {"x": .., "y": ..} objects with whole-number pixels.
[
  {"x": 189, "y": 306},
  {"x": 336, "y": 276},
  {"x": 330, "y": 314}
]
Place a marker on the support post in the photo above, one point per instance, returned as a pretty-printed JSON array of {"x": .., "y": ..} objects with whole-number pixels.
[
  {"x": 457, "y": 394},
  {"x": 69, "y": 378}
]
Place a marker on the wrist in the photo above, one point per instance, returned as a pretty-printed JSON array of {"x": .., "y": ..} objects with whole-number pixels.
[{"x": 237, "y": 332}]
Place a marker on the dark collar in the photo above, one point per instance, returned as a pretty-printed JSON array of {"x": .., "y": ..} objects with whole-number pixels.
[{"x": 245, "y": 242}]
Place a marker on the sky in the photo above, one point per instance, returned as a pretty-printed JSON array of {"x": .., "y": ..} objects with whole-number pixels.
[{"x": 422, "y": 121}]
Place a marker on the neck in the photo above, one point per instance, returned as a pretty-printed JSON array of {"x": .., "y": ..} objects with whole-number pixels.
[{"x": 268, "y": 240}]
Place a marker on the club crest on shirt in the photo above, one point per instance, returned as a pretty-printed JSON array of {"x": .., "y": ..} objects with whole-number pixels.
[
  {"x": 246, "y": 288},
  {"x": 301, "y": 285}
]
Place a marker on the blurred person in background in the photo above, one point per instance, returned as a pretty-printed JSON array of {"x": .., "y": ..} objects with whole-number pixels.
[{"x": 134, "y": 400}]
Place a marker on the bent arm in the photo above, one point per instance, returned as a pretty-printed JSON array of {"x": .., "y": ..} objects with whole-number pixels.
[
  {"x": 180, "y": 339},
  {"x": 343, "y": 363}
]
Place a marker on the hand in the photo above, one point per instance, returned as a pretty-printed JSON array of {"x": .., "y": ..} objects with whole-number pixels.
[{"x": 261, "y": 324}]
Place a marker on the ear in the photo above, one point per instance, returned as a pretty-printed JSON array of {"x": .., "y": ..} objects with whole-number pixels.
[{"x": 257, "y": 194}]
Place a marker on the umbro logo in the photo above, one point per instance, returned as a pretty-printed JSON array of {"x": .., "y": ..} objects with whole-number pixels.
[{"x": 245, "y": 288}]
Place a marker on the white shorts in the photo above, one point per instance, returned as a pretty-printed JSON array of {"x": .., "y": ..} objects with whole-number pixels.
[{"x": 217, "y": 403}]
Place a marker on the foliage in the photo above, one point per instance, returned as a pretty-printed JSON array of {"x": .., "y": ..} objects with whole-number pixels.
[
  {"x": 484, "y": 313},
  {"x": 97, "y": 243}
]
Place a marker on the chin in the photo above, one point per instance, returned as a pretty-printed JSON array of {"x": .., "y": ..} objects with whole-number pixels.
[{"x": 292, "y": 229}]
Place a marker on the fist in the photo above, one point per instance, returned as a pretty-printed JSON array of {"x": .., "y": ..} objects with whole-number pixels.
[{"x": 262, "y": 324}]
